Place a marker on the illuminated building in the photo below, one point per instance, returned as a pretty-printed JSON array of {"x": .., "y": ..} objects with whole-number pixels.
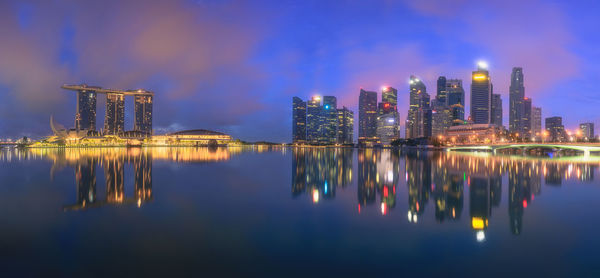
[
  {"x": 526, "y": 119},
  {"x": 441, "y": 120},
  {"x": 418, "y": 122},
  {"x": 496, "y": 112},
  {"x": 442, "y": 90},
  {"x": 455, "y": 98},
  {"x": 328, "y": 121},
  {"x": 143, "y": 114},
  {"x": 587, "y": 131},
  {"x": 536, "y": 122},
  {"x": 481, "y": 95},
  {"x": 387, "y": 127},
  {"x": 195, "y": 137},
  {"x": 389, "y": 100},
  {"x": 367, "y": 117},
  {"x": 114, "y": 120},
  {"x": 313, "y": 118},
  {"x": 516, "y": 96},
  {"x": 472, "y": 133},
  {"x": 555, "y": 129},
  {"x": 299, "y": 120},
  {"x": 345, "y": 126},
  {"x": 85, "y": 118}
]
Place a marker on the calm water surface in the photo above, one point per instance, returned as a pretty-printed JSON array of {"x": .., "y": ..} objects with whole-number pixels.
[{"x": 296, "y": 212}]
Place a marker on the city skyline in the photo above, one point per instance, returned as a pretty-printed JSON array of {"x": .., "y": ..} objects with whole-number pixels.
[{"x": 54, "y": 44}]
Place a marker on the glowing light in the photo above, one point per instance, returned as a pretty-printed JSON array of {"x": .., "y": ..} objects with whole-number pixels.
[
  {"x": 390, "y": 120},
  {"x": 477, "y": 223},
  {"x": 524, "y": 203},
  {"x": 327, "y": 107},
  {"x": 480, "y": 236},
  {"x": 315, "y": 196},
  {"x": 482, "y": 64},
  {"x": 409, "y": 216},
  {"x": 383, "y": 209},
  {"x": 479, "y": 77},
  {"x": 390, "y": 175}
]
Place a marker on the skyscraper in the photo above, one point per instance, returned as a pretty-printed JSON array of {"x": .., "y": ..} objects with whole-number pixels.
[
  {"x": 587, "y": 131},
  {"x": 114, "y": 120},
  {"x": 299, "y": 120},
  {"x": 418, "y": 122},
  {"x": 388, "y": 117},
  {"x": 555, "y": 128},
  {"x": 345, "y": 126},
  {"x": 387, "y": 128},
  {"x": 525, "y": 122},
  {"x": 456, "y": 100},
  {"x": 442, "y": 90},
  {"x": 85, "y": 118},
  {"x": 481, "y": 95},
  {"x": 516, "y": 96},
  {"x": 536, "y": 122},
  {"x": 143, "y": 114},
  {"x": 496, "y": 110},
  {"x": 328, "y": 121},
  {"x": 367, "y": 116},
  {"x": 313, "y": 118},
  {"x": 390, "y": 95}
]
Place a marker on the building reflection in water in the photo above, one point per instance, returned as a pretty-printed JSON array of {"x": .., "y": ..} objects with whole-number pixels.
[
  {"x": 440, "y": 176},
  {"x": 113, "y": 162},
  {"x": 319, "y": 171}
]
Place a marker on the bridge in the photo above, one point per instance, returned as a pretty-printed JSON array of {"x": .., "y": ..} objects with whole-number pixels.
[{"x": 586, "y": 149}]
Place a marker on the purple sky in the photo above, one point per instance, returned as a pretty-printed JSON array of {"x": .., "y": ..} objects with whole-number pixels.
[{"x": 233, "y": 66}]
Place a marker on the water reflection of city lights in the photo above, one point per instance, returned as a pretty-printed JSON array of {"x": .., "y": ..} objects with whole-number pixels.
[{"x": 480, "y": 235}]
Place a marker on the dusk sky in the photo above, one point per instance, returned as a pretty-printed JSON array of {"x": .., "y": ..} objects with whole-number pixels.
[{"x": 234, "y": 66}]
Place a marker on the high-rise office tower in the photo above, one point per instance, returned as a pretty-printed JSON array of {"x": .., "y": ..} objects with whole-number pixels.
[
  {"x": 516, "y": 96},
  {"x": 329, "y": 120},
  {"x": 536, "y": 122},
  {"x": 114, "y": 120},
  {"x": 299, "y": 120},
  {"x": 418, "y": 122},
  {"x": 388, "y": 117},
  {"x": 345, "y": 126},
  {"x": 389, "y": 95},
  {"x": 481, "y": 95},
  {"x": 441, "y": 90},
  {"x": 387, "y": 128},
  {"x": 456, "y": 100},
  {"x": 313, "y": 118},
  {"x": 496, "y": 110},
  {"x": 367, "y": 116},
  {"x": 555, "y": 128},
  {"x": 143, "y": 114},
  {"x": 525, "y": 122},
  {"x": 85, "y": 118},
  {"x": 587, "y": 131},
  {"x": 441, "y": 120}
]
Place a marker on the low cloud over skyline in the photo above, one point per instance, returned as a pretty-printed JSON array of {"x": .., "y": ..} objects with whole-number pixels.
[{"x": 234, "y": 66}]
